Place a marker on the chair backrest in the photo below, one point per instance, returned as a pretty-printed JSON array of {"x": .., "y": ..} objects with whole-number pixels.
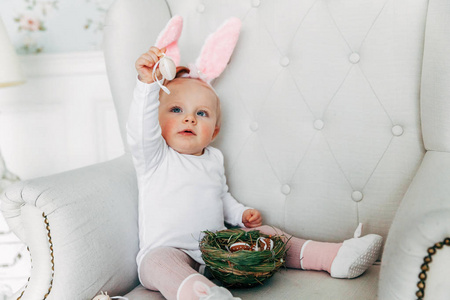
[{"x": 321, "y": 119}]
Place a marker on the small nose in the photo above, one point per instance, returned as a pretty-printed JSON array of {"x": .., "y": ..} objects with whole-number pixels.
[{"x": 190, "y": 119}]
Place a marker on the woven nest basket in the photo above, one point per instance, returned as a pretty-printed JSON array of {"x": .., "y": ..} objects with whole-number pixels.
[{"x": 243, "y": 268}]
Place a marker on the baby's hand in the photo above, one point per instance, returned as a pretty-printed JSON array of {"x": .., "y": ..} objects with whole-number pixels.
[
  {"x": 144, "y": 64},
  {"x": 252, "y": 218}
]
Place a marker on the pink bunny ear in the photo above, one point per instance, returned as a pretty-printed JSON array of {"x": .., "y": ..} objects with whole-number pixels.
[
  {"x": 217, "y": 50},
  {"x": 169, "y": 36}
]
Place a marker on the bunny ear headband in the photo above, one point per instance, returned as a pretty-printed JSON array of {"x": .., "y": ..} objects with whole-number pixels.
[{"x": 213, "y": 58}]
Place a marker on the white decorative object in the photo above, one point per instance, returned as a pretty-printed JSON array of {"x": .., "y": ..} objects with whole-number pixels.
[
  {"x": 167, "y": 68},
  {"x": 104, "y": 296}
]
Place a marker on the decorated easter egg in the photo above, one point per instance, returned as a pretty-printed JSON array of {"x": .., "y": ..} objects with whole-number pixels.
[
  {"x": 167, "y": 68},
  {"x": 240, "y": 246},
  {"x": 263, "y": 244}
]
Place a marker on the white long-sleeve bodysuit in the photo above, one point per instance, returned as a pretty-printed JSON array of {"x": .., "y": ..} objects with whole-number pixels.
[{"x": 180, "y": 195}]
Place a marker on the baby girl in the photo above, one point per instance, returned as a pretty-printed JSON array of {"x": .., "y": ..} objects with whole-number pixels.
[{"x": 181, "y": 178}]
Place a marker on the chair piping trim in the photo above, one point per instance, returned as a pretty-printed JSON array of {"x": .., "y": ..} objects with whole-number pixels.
[
  {"x": 425, "y": 266},
  {"x": 47, "y": 226}
]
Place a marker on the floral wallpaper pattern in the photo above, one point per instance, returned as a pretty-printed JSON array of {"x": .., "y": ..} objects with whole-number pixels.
[
  {"x": 101, "y": 7},
  {"x": 49, "y": 26},
  {"x": 32, "y": 20}
]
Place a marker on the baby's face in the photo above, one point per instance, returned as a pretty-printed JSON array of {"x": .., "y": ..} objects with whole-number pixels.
[{"x": 188, "y": 116}]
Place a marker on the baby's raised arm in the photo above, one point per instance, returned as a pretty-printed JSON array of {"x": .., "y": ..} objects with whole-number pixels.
[
  {"x": 143, "y": 130},
  {"x": 145, "y": 63}
]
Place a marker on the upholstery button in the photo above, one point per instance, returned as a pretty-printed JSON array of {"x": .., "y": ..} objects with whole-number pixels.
[
  {"x": 284, "y": 61},
  {"x": 354, "y": 58},
  {"x": 357, "y": 196},
  {"x": 286, "y": 189},
  {"x": 397, "y": 130},
  {"x": 318, "y": 124},
  {"x": 201, "y": 8},
  {"x": 256, "y": 3},
  {"x": 254, "y": 126}
]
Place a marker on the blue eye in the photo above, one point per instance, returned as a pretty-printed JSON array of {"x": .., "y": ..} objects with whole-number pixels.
[
  {"x": 175, "y": 109},
  {"x": 202, "y": 113}
]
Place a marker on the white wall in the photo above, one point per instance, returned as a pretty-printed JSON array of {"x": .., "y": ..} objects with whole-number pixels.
[{"x": 62, "y": 118}]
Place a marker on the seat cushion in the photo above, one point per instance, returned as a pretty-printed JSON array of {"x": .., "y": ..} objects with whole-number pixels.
[{"x": 296, "y": 284}]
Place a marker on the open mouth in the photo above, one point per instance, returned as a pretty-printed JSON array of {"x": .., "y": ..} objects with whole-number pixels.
[{"x": 187, "y": 132}]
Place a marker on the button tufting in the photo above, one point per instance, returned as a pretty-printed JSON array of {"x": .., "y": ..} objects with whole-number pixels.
[
  {"x": 318, "y": 124},
  {"x": 254, "y": 126},
  {"x": 397, "y": 130},
  {"x": 201, "y": 8},
  {"x": 284, "y": 61},
  {"x": 354, "y": 58},
  {"x": 357, "y": 196},
  {"x": 256, "y": 3},
  {"x": 286, "y": 189}
]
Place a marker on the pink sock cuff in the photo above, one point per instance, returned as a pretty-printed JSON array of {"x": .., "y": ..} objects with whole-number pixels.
[{"x": 318, "y": 255}]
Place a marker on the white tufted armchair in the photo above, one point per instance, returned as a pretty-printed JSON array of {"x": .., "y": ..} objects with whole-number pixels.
[{"x": 335, "y": 112}]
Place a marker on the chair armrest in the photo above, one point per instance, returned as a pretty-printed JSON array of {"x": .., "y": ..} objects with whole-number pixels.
[
  {"x": 81, "y": 228},
  {"x": 422, "y": 220}
]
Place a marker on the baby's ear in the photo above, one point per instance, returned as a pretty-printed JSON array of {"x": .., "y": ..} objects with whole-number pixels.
[
  {"x": 169, "y": 36},
  {"x": 216, "y": 132},
  {"x": 217, "y": 50}
]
